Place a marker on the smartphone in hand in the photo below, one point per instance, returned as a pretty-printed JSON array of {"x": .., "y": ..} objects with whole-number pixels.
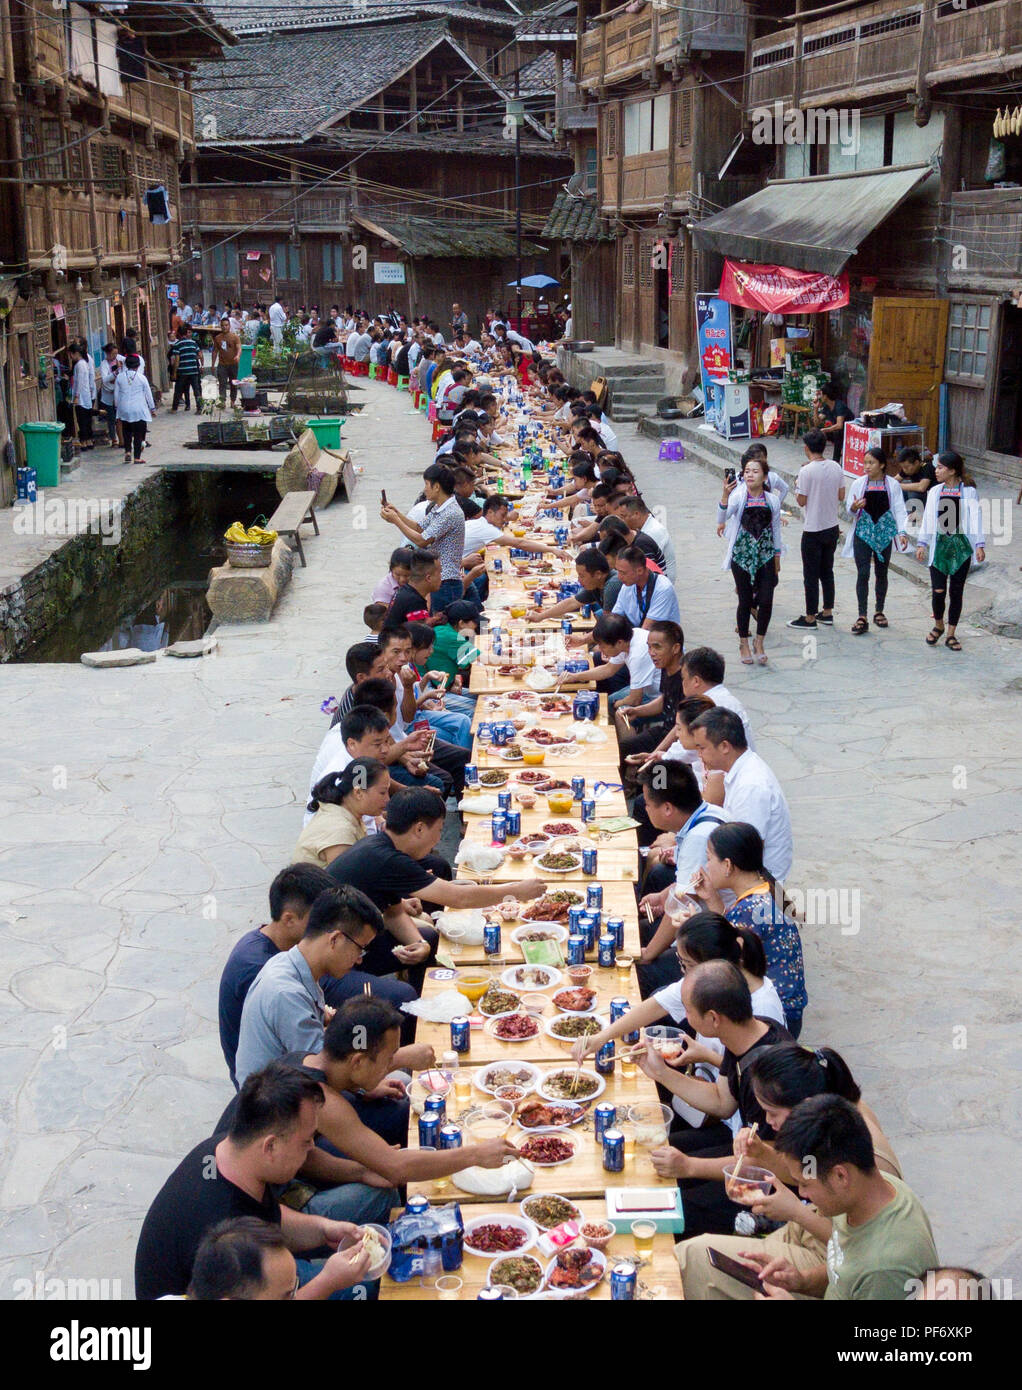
[
  {"x": 738, "y": 1271},
  {"x": 383, "y": 496}
]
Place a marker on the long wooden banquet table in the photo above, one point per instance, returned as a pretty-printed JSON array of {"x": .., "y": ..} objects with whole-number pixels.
[{"x": 582, "y": 1179}]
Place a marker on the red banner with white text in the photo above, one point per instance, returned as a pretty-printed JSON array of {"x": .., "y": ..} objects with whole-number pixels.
[{"x": 777, "y": 289}]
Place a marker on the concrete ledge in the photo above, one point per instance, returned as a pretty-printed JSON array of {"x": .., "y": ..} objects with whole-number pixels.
[{"x": 250, "y": 596}]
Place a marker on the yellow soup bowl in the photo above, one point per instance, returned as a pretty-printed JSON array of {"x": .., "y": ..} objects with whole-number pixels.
[
  {"x": 533, "y": 757},
  {"x": 473, "y": 984}
]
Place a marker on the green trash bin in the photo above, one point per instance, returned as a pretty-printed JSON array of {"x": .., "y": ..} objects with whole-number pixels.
[
  {"x": 245, "y": 364},
  {"x": 42, "y": 450},
  {"x": 327, "y": 429}
]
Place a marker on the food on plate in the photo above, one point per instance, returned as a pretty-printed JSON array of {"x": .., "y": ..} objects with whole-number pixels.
[
  {"x": 555, "y": 829},
  {"x": 555, "y": 785},
  {"x": 494, "y": 1077},
  {"x": 740, "y": 1190},
  {"x": 554, "y": 861},
  {"x": 554, "y": 704},
  {"x": 494, "y": 1239},
  {"x": 539, "y": 936},
  {"x": 517, "y": 673},
  {"x": 579, "y": 974},
  {"x": 498, "y": 1001},
  {"x": 575, "y": 1027},
  {"x": 597, "y": 1234},
  {"x": 531, "y": 841},
  {"x": 531, "y": 976},
  {"x": 503, "y": 670},
  {"x": 546, "y": 738},
  {"x": 552, "y": 907},
  {"x": 567, "y": 1085},
  {"x": 546, "y": 1148},
  {"x": 530, "y": 778},
  {"x": 574, "y": 1269},
  {"x": 575, "y": 1001},
  {"x": 511, "y": 1093},
  {"x": 541, "y": 1114},
  {"x": 521, "y": 1272},
  {"x": 492, "y": 777},
  {"x": 512, "y": 753},
  {"x": 515, "y": 1027},
  {"x": 550, "y": 1211}
]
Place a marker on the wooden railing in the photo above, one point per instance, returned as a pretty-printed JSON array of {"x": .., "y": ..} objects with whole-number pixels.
[
  {"x": 623, "y": 44},
  {"x": 875, "y": 48}
]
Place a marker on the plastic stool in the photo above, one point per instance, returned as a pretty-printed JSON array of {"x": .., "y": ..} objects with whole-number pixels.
[
  {"x": 402, "y": 383},
  {"x": 423, "y": 402},
  {"x": 373, "y": 370},
  {"x": 671, "y": 450},
  {"x": 431, "y": 411},
  {"x": 391, "y": 377},
  {"x": 438, "y": 430}
]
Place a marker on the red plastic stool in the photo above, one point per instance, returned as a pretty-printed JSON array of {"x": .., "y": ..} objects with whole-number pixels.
[{"x": 391, "y": 376}]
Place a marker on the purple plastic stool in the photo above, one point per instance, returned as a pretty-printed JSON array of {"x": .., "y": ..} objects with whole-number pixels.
[{"x": 672, "y": 450}]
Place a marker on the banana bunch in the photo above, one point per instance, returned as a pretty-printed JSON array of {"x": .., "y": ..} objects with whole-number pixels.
[
  {"x": 254, "y": 535},
  {"x": 1010, "y": 123}
]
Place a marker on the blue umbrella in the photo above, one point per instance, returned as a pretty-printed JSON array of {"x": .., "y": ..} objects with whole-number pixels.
[{"x": 534, "y": 282}]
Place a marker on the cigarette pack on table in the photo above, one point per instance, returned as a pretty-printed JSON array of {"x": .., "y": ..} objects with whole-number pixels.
[{"x": 661, "y": 1205}]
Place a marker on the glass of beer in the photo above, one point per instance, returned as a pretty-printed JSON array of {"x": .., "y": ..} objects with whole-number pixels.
[
  {"x": 624, "y": 971},
  {"x": 463, "y": 1087},
  {"x": 628, "y": 1068},
  {"x": 643, "y": 1233}
]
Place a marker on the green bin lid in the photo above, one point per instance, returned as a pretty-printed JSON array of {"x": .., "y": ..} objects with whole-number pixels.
[{"x": 41, "y": 427}]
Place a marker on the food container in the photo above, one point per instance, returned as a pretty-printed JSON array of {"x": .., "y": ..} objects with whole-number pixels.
[
  {"x": 559, "y": 802},
  {"x": 377, "y": 1270},
  {"x": 750, "y": 1184},
  {"x": 472, "y": 983},
  {"x": 669, "y": 1042},
  {"x": 534, "y": 757},
  {"x": 579, "y": 974},
  {"x": 526, "y": 800},
  {"x": 652, "y": 1123},
  {"x": 597, "y": 1234},
  {"x": 245, "y": 556},
  {"x": 534, "y": 1003}
]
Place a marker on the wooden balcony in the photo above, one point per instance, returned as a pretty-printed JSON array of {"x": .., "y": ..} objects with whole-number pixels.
[
  {"x": 620, "y": 45},
  {"x": 987, "y": 224},
  {"x": 236, "y": 204},
  {"x": 873, "y": 50}
]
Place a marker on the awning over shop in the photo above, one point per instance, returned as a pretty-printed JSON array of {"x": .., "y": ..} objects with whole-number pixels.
[
  {"x": 808, "y": 224},
  {"x": 777, "y": 289}
]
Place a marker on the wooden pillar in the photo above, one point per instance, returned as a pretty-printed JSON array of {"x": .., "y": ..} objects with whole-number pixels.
[
  {"x": 413, "y": 101},
  {"x": 461, "y": 112},
  {"x": 381, "y": 117}
]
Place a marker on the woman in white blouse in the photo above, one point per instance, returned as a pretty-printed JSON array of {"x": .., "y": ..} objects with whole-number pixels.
[
  {"x": 133, "y": 401},
  {"x": 877, "y": 504},
  {"x": 749, "y": 516},
  {"x": 950, "y": 536}
]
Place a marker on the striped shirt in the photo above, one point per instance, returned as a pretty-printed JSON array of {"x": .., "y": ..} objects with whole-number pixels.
[{"x": 187, "y": 353}]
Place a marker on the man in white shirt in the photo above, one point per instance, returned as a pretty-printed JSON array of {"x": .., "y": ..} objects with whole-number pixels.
[
  {"x": 514, "y": 337},
  {"x": 819, "y": 489},
  {"x": 702, "y": 674},
  {"x": 83, "y": 386},
  {"x": 622, "y": 645},
  {"x": 488, "y": 529},
  {"x": 362, "y": 733},
  {"x": 644, "y": 596},
  {"x": 187, "y": 313},
  {"x": 602, "y": 427},
  {"x": 637, "y": 516},
  {"x": 351, "y": 343},
  {"x": 751, "y": 791},
  {"x": 278, "y": 322}
]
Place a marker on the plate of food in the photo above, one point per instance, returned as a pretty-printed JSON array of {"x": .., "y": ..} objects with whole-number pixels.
[
  {"x": 513, "y": 1028},
  {"x": 496, "y": 1074},
  {"x": 554, "y": 705},
  {"x": 561, "y": 1084},
  {"x": 547, "y": 1150},
  {"x": 548, "y": 1209},
  {"x": 560, "y": 829},
  {"x": 492, "y": 777},
  {"x": 558, "y": 862},
  {"x": 539, "y": 931},
  {"x": 553, "y": 907},
  {"x": 523, "y": 1273},
  {"x": 575, "y": 1270},
  {"x": 531, "y": 977},
  {"x": 567, "y": 1028},
  {"x": 576, "y": 1000},
  {"x": 504, "y": 1235},
  {"x": 545, "y": 739},
  {"x": 532, "y": 842},
  {"x": 546, "y": 1114},
  {"x": 531, "y": 777},
  {"x": 512, "y": 753},
  {"x": 498, "y": 1001}
]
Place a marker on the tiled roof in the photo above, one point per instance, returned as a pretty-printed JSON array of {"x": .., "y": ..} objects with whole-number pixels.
[
  {"x": 255, "y": 16},
  {"x": 575, "y": 219},
  {"x": 557, "y": 18},
  {"x": 426, "y": 236},
  {"x": 539, "y": 78}
]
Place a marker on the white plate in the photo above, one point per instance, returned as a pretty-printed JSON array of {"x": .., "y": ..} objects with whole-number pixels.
[
  {"x": 548, "y": 1024},
  {"x": 553, "y": 1129},
  {"x": 553, "y": 977},
  {"x": 528, "y": 1086},
  {"x": 510, "y": 757},
  {"x": 577, "y": 833},
  {"x": 520, "y": 1223},
  {"x": 488, "y": 1027},
  {"x": 525, "y": 1201},
  {"x": 555, "y": 929},
  {"x": 578, "y": 1013},
  {"x": 545, "y": 868},
  {"x": 569, "y": 1072},
  {"x": 491, "y": 1278},
  {"x": 515, "y": 1010},
  {"x": 556, "y": 1163},
  {"x": 595, "y": 1257},
  {"x": 561, "y": 750}
]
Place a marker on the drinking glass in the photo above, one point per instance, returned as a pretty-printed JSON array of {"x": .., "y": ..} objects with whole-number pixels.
[
  {"x": 644, "y": 1233},
  {"x": 623, "y": 966},
  {"x": 455, "y": 941},
  {"x": 448, "y": 1287},
  {"x": 463, "y": 1087},
  {"x": 628, "y": 1068},
  {"x": 652, "y": 1123}
]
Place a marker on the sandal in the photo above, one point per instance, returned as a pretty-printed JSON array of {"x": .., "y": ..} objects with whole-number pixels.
[
  {"x": 880, "y": 621},
  {"x": 954, "y": 644},
  {"x": 860, "y": 626},
  {"x": 746, "y": 656},
  {"x": 934, "y": 636}
]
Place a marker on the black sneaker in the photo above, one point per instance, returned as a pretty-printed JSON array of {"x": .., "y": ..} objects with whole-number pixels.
[
  {"x": 827, "y": 619},
  {"x": 802, "y": 621}
]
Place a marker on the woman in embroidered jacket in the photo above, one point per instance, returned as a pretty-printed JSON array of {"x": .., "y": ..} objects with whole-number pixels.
[
  {"x": 950, "y": 536},
  {"x": 749, "y": 516},
  {"x": 878, "y": 506}
]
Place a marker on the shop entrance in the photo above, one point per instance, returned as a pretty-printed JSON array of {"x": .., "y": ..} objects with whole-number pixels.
[
  {"x": 662, "y": 305},
  {"x": 1006, "y": 422}
]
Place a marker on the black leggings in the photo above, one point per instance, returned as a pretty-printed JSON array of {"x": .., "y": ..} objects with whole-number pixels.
[
  {"x": 940, "y": 584},
  {"x": 862, "y": 553},
  {"x": 755, "y": 592},
  {"x": 818, "y": 549},
  {"x": 134, "y": 436}
]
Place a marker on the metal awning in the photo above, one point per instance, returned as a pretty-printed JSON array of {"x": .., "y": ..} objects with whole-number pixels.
[{"x": 808, "y": 224}]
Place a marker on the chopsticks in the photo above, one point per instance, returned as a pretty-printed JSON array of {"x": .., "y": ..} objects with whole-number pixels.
[
  {"x": 648, "y": 911},
  {"x": 367, "y": 988},
  {"x": 741, "y": 1159}
]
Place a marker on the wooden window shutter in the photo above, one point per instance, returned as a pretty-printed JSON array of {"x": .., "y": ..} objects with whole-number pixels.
[
  {"x": 30, "y": 147},
  {"x": 76, "y": 170},
  {"x": 684, "y": 127},
  {"x": 610, "y": 132},
  {"x": 52, "y": 161},
  {"x": 678, "y": 266},
  {"x": 628, "y": 264},
  {"x": 646, "y": 265}
]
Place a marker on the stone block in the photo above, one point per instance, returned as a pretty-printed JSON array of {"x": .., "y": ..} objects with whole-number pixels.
[
  {"x": 129, "y": 656},
  {"x": 250, "y": 596},
  {"x": 201, "y": 646}
]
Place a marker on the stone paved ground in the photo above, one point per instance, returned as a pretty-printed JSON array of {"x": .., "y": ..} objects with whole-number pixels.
[{"x": 144, "y": 811}]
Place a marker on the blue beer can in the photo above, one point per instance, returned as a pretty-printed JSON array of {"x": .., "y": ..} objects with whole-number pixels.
[
  {"x": 578, "y": 788},
  {"x": 436, "y": 1105},
  {"x": 504, "y": 800},
  {"x": 619, "y": 1006},
  {"x": 605, "y": 1060},
  {"x": 566, "y": 624},
  {"x": 614, "y": 1151},
  {"x": 576, "y": 950},
  {"x": 498, "y": 565},
  {"x": 608, "y": 954},
  {"x": 587, "y": 610},
  {"x": 497, "y": 737},
  {"x": 489, "y": 1295},
  {"x": 491, "y": 939},
  {"x": 604, "y": 1117},
  {"x": 498, "y": 828},
  {"x": 561, "y": 535},
  {"x": 588, "y": 860},
  {"x": 450, "y": 1137},
  {"x": 497, "y": 646},
  {"x": 471, "y": 775},
  {"x": 575, "y": 915},
  {"x": 429, "y": 1129},
  {"x": 623, "y": 1280},
  {"x": 588, "y": 809},
  {"x": 514, "y": 825},
  {"x": 538, "y": 595},
  {"x": 617, "y": 926},
  {"x": 591, "y": 925},
  {"x": 594, "y": 897},
  {"x": 580, "y": 705},
  {"x": 461, "y": 1033}
]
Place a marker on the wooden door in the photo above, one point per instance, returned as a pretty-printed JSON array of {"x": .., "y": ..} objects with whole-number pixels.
[
  {"x": 258, "y": 277},
  {"x": 906, "y": 359}
]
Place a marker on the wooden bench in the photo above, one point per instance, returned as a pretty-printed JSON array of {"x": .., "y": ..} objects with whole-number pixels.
[{"x": 295, "y": 509}]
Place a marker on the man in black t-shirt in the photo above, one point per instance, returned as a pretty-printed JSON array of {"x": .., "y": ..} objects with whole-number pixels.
[
  {"x": 234, "y": 1174},
  {"x": 646, "y": 726},
  {"x": 411, "y": 600},
  {"x": 831, "y": 416},
  {"x": 916, "y": 478}
]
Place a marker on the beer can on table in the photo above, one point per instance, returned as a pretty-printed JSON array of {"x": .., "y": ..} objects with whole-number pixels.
[
  {"x": 587, "y": 610},
  {"x": 576, "y": 950},
  {"x": 514, "y": 825},
  {"x": 578, "y": 788},
  {"x": 605, "y": 1060},
  {"x": 429, "y": 1129},
  {"x": 491, "y": 939},
  {"x": 436, "y": 1105},
  {"x": 614, "y": 1151},
  {"x": 594, "y": 897},
  {"x": 575, "y": 915},
  {"x": 461, "y": 1031},
  {"x": 581, "y": 707},
  {"x": 497, "y": 645},
  {"x": 498, "y": 828},
  {"x": 484, "y": 734},
  {"x": 504, "y": 801},
  {"x": 619, "y": 1006},
  {"x": 617, "y": 926},
  {"x": 591, "y": 927},
  {"x": 587, "y": 810},
  {"x": 498, "y": 565},
  {"x": 623, "y": 1280},
  {"x": 497, "y": 736},
  {"x": 566, "y": 627},
  {"x": 588, "y": 860},
  {"x": 561, "y": 535},
  {"x": 604, "y": 1117},
  {"x": 538, "y": 595},
  {"x": 450, "y": 1137},
  {"x": 471, "y": 774},
  {"x": 608, "y": 953},
  {"x": 489, "y": 1295}
]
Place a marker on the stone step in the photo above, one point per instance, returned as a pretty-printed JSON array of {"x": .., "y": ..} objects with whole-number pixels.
[{"x": 634, "y": 396}]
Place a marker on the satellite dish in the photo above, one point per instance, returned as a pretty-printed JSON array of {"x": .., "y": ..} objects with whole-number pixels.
[{"x": 575, "y": 187}]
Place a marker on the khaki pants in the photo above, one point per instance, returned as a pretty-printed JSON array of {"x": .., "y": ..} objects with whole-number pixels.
[{"x": 704, "y": 1283}]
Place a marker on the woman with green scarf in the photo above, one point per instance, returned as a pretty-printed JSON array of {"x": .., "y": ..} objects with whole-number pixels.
[
  {"x": 749, "y": 516},
  {"x": 878, "y": 506},
  {"x": 950, "y": 536}
]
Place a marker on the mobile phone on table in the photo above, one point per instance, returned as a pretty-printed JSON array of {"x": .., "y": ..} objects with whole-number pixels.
[
  {"x": 730, "y": 476},
  {"x": 741, "y": 1272}
]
